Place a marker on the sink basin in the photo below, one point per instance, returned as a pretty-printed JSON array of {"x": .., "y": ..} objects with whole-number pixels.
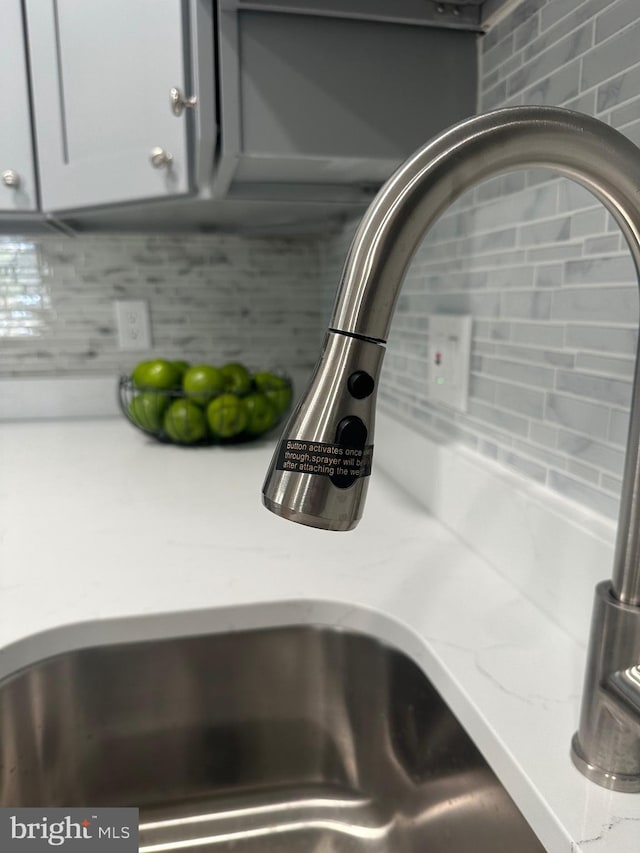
[{"x": 288, "y": 739}]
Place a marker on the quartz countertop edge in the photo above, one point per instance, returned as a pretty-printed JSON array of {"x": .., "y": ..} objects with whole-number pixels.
[{"x": 106, "y": 536}]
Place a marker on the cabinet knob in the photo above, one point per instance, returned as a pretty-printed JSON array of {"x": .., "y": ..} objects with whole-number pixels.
[
  {"x": 179, "y": 103},
  {"x": 11, "y": 179},
  {"x": 160, "y": 159}
]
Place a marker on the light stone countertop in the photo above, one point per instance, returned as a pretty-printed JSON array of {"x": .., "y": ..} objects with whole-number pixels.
[{"x": 107, "y": 536}]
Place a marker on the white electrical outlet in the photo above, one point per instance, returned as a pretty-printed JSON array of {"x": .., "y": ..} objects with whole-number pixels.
[
  {"x": 449, "y": 359},
  {"x": 133, "y": 324}
]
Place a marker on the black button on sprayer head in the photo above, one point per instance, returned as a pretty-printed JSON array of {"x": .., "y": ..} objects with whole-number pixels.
[{"x": 360, "y": 384}]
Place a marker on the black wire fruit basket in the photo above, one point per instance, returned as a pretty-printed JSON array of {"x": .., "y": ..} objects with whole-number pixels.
[{"x": 240, "y": 407}]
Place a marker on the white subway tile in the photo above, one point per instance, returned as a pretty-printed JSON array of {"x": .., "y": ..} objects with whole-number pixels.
[
  {"x": 603, "y": 389},
  {"x": 543, "y": 434},
  {"x": 551, "y": 60},
  {"x": 540, "y": 334},
  {"x": 584, "y": 472},
  {"x": 573, "y": 196},
  {"x": 588, "y": 222},
  {"x": 619, "y": 89},
  {"x": 602, "y": 245},
  {"x": 497, "y": 54},
  {"x": 548, "y": 457},
  {"x": 615, "y": 17},
  {"x": 591, "y": 451},
  {"x": 549, "y": 275},
  {"x": 558, "y": 252},
  {"x": 535, "y": 304},
  {"x": 517, "y": 398},
  {"x": 527, "y": 374},
  {"x": 578, "y": 11},
  {"x": 526, "y": 34},
  {"x": 612, "y": 56},
  {"x": 607, "y": 365},
  {"x": 603, "y": 270},
  {"x": 549, "y": 231},
  {"x": 584, "y": 494},
  {"x": 611, "y": 484},
  {"x": 559, "y": 88},
  {"x": 535, "y": 355},
  {"x": 577, "y": 414},
  {"x": 601, "y": 338},
  {"x": 496, "y": 420},
  {"x": 526, "y": 466},
  {"x": 585, "y": 103},
  {"x": 619, "y": 427}
]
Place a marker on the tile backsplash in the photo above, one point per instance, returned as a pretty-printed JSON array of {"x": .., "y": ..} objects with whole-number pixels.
[
  {"x": 214, "y": 297},
  {"x": 540, "y": 266}
]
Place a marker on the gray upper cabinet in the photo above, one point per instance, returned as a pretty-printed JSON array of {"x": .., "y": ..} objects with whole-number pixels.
[
  {"x": 314, "y": 103},
  {"x": 17, "y": 175},
  {"x": 102, "y": 73},
  {"x": 302, "y": 110}
]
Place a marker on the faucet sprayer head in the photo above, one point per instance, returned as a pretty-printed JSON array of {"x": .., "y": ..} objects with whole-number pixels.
[{"x": 319, "y": 472}]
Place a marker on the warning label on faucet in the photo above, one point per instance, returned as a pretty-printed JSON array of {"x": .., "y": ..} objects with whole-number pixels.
[{"x": 329, "y": 460}]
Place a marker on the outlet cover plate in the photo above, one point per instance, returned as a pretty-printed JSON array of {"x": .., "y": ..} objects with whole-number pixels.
[
  {"x": 133, "y": 324},
  {"x": 449, "y": 359}
]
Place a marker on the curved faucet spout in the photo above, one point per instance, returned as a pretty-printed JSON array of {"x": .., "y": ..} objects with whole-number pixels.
[
  {"x": 575, "y": 145},
  {"x": 320, "y": 469}
]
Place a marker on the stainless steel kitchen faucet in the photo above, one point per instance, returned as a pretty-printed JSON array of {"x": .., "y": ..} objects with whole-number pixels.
[{"x": 319, "y": 472}]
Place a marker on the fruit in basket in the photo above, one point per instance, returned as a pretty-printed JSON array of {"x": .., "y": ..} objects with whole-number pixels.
[
  {"x": 262, "y": 414},
  {"x": 159, "y": 374},
  {"x": 227, "y": 416},
  {"x": 202, "y": 382},
  {"x": 182, "y": 366},
  {"x": 147, "y": 410},
  {"x": 237, "y": 379},
  {"x": 275, "y": 388},
  {"x": 184, "y": 422},
  {"x": 187, "y": 404}
]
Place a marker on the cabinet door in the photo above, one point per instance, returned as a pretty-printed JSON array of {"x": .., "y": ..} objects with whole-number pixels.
[
  {"x": 17, "y": 179},
  {"x": 307, "y": 101},
  {"x": 102, "y": 73}
]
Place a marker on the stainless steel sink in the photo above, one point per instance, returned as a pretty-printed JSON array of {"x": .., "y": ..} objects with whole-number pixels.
[{"x": 285, "y": 739}]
